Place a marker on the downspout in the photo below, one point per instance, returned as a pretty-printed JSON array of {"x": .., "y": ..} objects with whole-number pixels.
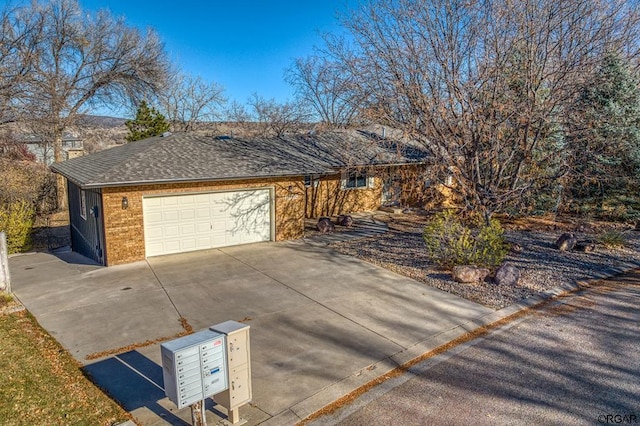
[{"x": 95, "y": 212}]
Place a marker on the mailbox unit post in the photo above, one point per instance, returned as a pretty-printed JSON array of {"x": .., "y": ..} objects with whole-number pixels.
[{"x": 239, "y": 368}]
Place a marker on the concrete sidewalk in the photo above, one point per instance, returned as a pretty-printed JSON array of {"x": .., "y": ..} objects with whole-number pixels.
[{"x": 322, "y": 323}]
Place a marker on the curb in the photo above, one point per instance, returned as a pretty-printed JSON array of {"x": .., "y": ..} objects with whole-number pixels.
[{"x": 333, "y": 392}]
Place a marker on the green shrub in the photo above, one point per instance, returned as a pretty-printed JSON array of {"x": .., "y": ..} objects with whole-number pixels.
[
  {"x": 451, "y": 242},
  {"x": 612, "y": 238},
  {"x": 16, "y": 221},
  {"x": 5, "y": 299}
]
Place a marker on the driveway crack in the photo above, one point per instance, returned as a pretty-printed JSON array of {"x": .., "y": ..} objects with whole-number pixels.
[{"x": 181, "y": 318}]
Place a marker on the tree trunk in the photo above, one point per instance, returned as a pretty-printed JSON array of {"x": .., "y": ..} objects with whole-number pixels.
[{"x": 61, "y": 182}]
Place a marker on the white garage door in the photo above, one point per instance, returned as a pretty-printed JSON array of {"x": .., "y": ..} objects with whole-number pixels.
[{"x": 180, "y": 223}]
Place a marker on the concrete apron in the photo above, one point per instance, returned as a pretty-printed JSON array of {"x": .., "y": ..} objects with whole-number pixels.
[{"x": 322, "y": 323}]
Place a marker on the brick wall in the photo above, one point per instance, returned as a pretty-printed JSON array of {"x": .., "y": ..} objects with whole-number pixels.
[
  {"x": 124, "y": 228},
  {"x": 329, "y": 199}
]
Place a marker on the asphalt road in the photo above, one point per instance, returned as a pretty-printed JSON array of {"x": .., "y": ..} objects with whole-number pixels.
[{"x": 575, "y": 361}]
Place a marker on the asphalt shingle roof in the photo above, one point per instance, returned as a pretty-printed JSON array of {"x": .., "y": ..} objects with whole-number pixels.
[{"x": 185, "y": 157}]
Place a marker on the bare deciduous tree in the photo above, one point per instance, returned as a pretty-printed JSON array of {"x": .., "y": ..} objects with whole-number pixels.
[
  {"x": 278, "y": 118},
  {"x": 327, "y": 88},
  {"x": 189, "y": 101},
  {"x": 482, "y": 83},
  {"x": 83, "y": 59},
  {"x": 18, "y": 40}
]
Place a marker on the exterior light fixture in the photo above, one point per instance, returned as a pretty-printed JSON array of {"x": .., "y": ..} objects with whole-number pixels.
[{"x": 125, "y": 203}]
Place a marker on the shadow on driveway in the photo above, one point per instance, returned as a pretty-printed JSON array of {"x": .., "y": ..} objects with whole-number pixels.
[{"x": 319, "y": 319}]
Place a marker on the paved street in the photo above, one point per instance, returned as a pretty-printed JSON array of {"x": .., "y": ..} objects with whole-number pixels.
[{"x": 574, "y": 362}]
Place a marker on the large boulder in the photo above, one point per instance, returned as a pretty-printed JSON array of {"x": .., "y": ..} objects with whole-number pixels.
[
  {"x": 566, "y": 241},
  {"x": 507, "y": 275},
  {"x": 469, "y": 273},
  {"x": 325, "y": 225}
]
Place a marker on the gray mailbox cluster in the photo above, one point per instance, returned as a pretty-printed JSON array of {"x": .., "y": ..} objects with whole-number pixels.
[
  {"x": 194, "y": 367},
  {"x": 210, "y": 363}
]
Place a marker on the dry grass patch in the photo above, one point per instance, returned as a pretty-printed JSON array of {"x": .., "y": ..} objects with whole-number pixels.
[{"x": 40, "y": 383}]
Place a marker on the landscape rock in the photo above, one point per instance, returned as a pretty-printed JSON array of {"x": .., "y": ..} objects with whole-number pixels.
[
  {"x": 566, "y": 241},
  {"x": 586, "y": 246},
  {"x": 346, "y": 221},
  {"x": 507, "y": 275},
  {"x": 515, "y": 247},
  {"x": 325, "y": 225},
  {"x": 469, "y": 273}
]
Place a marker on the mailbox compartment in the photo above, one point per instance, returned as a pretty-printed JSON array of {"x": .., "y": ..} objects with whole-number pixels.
[
  {"x": 194, "y": 367},
  {"x": 238, "y": 353}
]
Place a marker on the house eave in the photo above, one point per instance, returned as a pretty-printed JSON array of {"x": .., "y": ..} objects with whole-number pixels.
[
  {"x": 97, "y": 185},
  {"x": 114, "y": 184}
]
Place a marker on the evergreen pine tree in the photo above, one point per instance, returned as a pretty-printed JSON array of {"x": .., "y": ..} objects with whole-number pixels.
[
  {"x": 605, "y": 145},
  {"x": 148, "y": 122}
]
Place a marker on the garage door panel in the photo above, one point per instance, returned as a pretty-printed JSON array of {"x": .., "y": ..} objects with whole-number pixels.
[
  {"x": 203, "y": 212},
  {"x": 179, "y": 223},
  {"x": 218, "y": 241},
  {"x": 170, "y": 201},
  {"x": 172, "y": 245},
  {"x": 187, "y": 214},
  {"x": 218, "y": 225},
  {"x": 154, "y": 217},
  {"x": 153, "y": 234},
  {"x": 153, "y": 202},
  {"x": 188, "y": 229},
  {"x": 205, "y": 242},
  {"x": 188, "y": 244},
  {"x": 170, "y": 215},
  {"x": 170, "y": 231},
  {"x": 202, "y": 227}
]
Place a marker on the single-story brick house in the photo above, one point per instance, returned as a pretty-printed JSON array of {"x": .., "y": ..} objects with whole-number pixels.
[{"x": 180, "y": 192}]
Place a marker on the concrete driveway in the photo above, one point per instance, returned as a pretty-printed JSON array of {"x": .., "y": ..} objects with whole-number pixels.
[{"x": 322, "y": 323}]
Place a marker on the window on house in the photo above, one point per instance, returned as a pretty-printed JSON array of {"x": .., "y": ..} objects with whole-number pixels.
[
  {"x": 355, "y": 180},
  {"x": 310, "y": 181},
  {"x": 83, "y": 205}
]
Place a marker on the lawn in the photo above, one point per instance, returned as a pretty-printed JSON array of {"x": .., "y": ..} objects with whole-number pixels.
[{"x": 40, "y": 383}]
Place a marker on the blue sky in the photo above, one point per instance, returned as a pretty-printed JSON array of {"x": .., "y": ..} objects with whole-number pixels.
[{"x": 243, "y": 45}]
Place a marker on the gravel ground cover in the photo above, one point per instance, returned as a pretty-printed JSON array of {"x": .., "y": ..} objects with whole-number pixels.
[{"x": 542, "y": 266}]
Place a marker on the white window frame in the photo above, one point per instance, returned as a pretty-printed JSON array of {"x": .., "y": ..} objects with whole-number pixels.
[
  {"x": 347, "y": 176},
  {"x": 83, "y": 204}
]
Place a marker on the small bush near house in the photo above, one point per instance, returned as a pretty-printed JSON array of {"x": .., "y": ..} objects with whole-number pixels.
[
  {"x": 27, "y": 190},
  {"x": 22, "y": 180},
  {"x": 612, "y": 238},
  {"x": 451, "y": 242},
  {"x": 16, "y": 220}
]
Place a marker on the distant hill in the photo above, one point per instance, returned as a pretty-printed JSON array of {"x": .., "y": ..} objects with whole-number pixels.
[{"x": 100, "y": 121}]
